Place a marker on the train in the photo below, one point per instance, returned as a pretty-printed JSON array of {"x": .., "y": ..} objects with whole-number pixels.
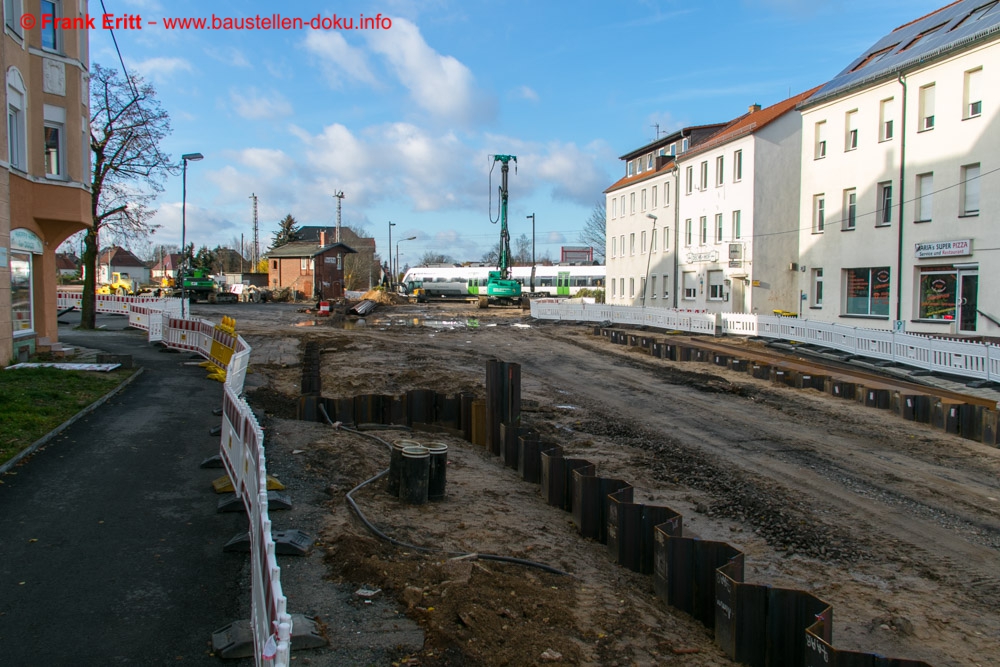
[{"x": 464, "y": 282}]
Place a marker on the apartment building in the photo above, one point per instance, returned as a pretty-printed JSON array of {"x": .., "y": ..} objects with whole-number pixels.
[
  {"x": 899, "y": 175},
  {"x": 44, "y": 195},
  {"x": 737, "y": 244},
  {"x": 642, "y": 221}
]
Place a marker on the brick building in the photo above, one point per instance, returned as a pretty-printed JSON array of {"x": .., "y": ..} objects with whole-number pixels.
[{"x": 310, "y": 269}]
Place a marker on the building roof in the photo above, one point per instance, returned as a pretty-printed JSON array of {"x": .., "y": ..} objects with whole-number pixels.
[
  {"x": 169, "y": 262},
  {"x": 304, "y": 249},
  {"x": 67, "y": 262},
  {"x": 673, "y": 137},
  {"x": 951, "y": 28},
  {"x": 117, "y": 256},
  {"x": 642, "y": 176}
]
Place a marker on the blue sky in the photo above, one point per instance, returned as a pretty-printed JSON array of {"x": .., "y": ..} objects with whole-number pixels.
[{"x": 404, "y": 120}]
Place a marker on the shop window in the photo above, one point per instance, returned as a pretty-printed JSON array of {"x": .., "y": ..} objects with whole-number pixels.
[{"x": 867, "y": 291}]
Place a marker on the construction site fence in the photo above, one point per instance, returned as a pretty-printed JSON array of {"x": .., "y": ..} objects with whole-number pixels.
[
  {"x": 972, "y": 360},
  {"x": 112, "y": 304}
]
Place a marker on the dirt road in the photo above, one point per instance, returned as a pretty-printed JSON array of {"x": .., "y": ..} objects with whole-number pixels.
[{"x": 895, "y": 524}]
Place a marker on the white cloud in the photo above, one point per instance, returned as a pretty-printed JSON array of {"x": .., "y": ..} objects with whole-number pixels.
[
  {"x": 527, "y": 93},
  {"x": 257, "y": 105},
  {"x": 439, "y": 84},
  {"x": 339, "y": 60},
  {"x": 160, "y": 69},
  {"x": 230, "y": 56}
]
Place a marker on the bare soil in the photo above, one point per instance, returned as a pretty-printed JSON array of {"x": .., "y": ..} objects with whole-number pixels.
[{"x": 895, "y": 524}]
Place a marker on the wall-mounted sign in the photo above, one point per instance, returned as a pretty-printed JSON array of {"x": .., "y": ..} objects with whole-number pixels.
[
  {"x": 26, "y": 240},
  {"x": 735, "y": 251},
  {"x": 709, "y": 256},
  {"x": 735, "y": 263},
  {"x": 944, "y": 249}
]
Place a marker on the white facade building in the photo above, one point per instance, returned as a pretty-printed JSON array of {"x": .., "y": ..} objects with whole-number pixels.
[{"x": 899, "y": 153}]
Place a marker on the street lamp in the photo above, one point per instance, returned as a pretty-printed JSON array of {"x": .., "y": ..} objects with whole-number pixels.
[
  {"x": 649, "y": 256},
  {"x": 187, "y": 157},
  {"x": 392, "y": 279},
  {"x": 397, "y": 254},
  {"x": 532, "y": 216}
]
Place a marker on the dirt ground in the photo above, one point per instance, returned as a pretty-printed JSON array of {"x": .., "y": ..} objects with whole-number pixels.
[{"x": 895, "y": 524}]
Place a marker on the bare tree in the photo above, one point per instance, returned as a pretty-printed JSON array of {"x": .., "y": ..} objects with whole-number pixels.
[
  {"x": 361, "y": 268},
  {"x": 429, "y": 258},
  {"x": 522, "y": 251},
  {"x": 595, "y": 231},
  {"x": 127, "y": 125}
]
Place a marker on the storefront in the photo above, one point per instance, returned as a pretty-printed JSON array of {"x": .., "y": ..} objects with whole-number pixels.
[
  {"x": 25, "y": 252},
  {"x": 948, "y": 291}
]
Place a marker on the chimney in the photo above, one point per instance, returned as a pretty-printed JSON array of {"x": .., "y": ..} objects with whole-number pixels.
[
  {"x": 322, "y": 237},
  {"x": 754, "y": 107}
]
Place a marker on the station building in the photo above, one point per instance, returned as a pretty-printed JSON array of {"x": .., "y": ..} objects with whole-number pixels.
[
  {"x": 899, "y": 198},
  {"x": 44, "y": 191}
]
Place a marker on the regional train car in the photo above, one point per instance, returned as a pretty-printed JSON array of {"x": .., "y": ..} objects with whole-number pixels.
[{"x": 463, "y": 282}]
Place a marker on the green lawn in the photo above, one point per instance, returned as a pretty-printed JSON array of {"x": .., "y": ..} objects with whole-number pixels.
[{"x": 33, "y": 401}]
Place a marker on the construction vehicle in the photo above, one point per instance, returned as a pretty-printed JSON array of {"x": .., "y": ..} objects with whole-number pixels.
[
  {"x": 120, "y": 285},
  {"x": 499, "y": 288},
  {"x": 196, "y": 285}
]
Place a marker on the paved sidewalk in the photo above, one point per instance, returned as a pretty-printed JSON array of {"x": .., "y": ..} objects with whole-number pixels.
[{"x": 110, "y": 543}]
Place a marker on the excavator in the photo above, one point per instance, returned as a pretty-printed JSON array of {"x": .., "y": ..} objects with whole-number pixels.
[{"x": 500, "y": 288}]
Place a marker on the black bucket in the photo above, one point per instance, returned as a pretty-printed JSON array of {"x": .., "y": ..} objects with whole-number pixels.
[
  {"x": 414, "y": 475},
  {"x": 437, "y": 478},
  {"x": 396, "y": 465}
]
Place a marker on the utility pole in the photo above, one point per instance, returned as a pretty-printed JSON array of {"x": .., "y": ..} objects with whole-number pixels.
[
  {"x": 256, "y": 246},
  {"x": 339, "y": 194}
]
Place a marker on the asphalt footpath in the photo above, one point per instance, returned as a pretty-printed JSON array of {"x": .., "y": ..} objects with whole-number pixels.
[{"x": 110, "y": 538}]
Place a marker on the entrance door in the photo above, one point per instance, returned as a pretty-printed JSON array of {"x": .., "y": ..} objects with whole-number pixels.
[
  {"x": 736, "y": 299},
  {"x": 968, "y": 302}
]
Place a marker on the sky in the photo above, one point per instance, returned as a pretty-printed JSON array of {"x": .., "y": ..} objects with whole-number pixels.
[{"x": 404, "y": 119}]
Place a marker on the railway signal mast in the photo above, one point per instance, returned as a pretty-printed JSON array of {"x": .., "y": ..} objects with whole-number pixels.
[{"x": 500, "y": 287}]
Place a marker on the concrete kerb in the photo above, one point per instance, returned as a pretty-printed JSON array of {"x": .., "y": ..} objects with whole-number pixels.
[{"x": 33, "y": 447}]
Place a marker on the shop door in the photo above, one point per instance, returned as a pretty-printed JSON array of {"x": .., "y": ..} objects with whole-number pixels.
[{"x": 968, "y": 302}]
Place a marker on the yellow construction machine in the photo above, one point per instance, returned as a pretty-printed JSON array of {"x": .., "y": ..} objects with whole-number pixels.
[{"x": 120, "y": 285}]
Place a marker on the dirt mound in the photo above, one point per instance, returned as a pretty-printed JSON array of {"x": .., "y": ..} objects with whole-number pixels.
[{"x": 383, "y": 297}]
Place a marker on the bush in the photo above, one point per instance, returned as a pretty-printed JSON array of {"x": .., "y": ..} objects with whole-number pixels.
[{"x": 596, "y": 294}]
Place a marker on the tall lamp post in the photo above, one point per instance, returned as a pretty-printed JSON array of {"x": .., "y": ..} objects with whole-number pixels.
[
  {"x": 397, "y": 253},
  {"x": 392, "y": 279},
  {"x": 649, "y": 256},
  {"x": 187, "y": 157},
  {"x": 532, "y": 216}
]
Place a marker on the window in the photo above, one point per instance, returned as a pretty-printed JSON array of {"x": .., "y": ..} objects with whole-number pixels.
[
  {"x": 274, "y": 265},
  {"x": 972, "y": 95},
  {"x": 718, "y": 171},
  {"x": 614, "y": 288},
  {"x": 631, "y": 200},
  {"x": 704, "y": 175},
  {"x": 621, "y": 287},
  {"x": 938, "y": 293},
  {"x": 737, "y": 166},
  {"x": 21, "y": 298},
  {"x": 819, "y": 213},
  {"x": 703, "y": 236},
  {"x": 666, "y": 287},
  {"x": 850, "y": 209},
  {"x": 614, "y": 207},
  {"x": 643, "y": 200},
  {"x": 925, "y": 198},
  {"x": 621, "y": 245},
  {"x": 690, "y": 285},
  {"x": 12, "y": 15},
  {"x": 631, "y": 243},
  {"x": 649, "y": 161},
  {"x": 666, "y": 193},
  {"x": 652, "y": 285},
  {"x": 737, "y": 232},
  {"x": 867, "y": 291},
  {"x": 642, "y": 243},
  {"x": 685, "y": 142},
  {"x": 819, "y": 150},
  {"x": 16, "y": 120},
  {"x": 687, "y": 232},
  {"x": 50, "y": 34},
  {"x": 54, "y": 141},
  {"x": 816, "y": 291},
  {"x": 622, "y": 207},
  {"x": 885, "y": 120},
  {"x": 614, "y": 246},
  {"x": 654, "y": 197},
  {"x": 715, "y": 286},
  {"x": 304, "y": 264},
  {"x": 631, "y": 168},
  {"x": 718, "y": 228},
  {"x": 970, "y": 190},
  {"x": 638, "y": 166},
  {"x": 926, "y": 108},
  {"x": 883, "y": 216},
  {"x": 851, "y": 130},
  {"x": 652, "y": 240},
  {"x": 689, "y": 181},
  {"x": 642, "y": 286},
  {"x": 631, "y": 287},
  {"x": 673, "y": 149}
]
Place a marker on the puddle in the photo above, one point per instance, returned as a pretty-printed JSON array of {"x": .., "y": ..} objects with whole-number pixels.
[
  {"x": 412, "y": 322},
  {"x": 567, "y": 407},
  {"x": 307, "y": 323}
]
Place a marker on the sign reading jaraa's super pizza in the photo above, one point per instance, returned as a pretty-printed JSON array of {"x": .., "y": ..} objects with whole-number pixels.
[{"x": 944, "y": 249}]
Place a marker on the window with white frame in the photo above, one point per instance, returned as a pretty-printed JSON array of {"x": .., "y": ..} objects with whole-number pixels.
[
  {"x": 631, "y": 243},
  {"x": 687, "y": 232},
  {"x": 51, "y": 38},
  {"x": 689, "y": 180},
  {"x": 816, "y": 289},
  {"x": 653, "y": 194},
  {"x": 631, "y": 168},
  {"x": 850, "y": 209},
  {"x": 737, "y": 232},
  {"x": 972, "y": 95},
  {"x": 684, "y": 144},
  {"x": 970, "y": 190},
  {"x": 885, "y": 111},
  {"x": 642, "y": 286},
  {"x": 614, "y": 246},
  {"x": 16, "y": 120},
  {"x": 614, "y": 208},
  {"x": 652, "y": 240},
  {"x": 690, "y": 285},
  {"x": 883, "y": 215},
  {"x": 649, "y": 161},
  {"x": 738, "y": 166},
  {"x": 12, "y": 10},
  {"x": 719, "y": 170},
  {"x": 621, "y": 287},
  {"x": 631, "y": 287},
  {"x": 819, "y": 144},
  {"x": 925, "y": 198},
  {"x": 631, "y": 202},
  {"x": 642, "y": 243},
  {"x": 55, "y": 141},
  {"x": 614, "y": 288},
  {"x": 866, "y": 291},
  {"x": 666, "y": 286},
  {"x": 652, "y": 286},
  {"x": 666, "y": 193},
  {"x": 638, "y": 165},
  {"x": 819, "y": 213},
  {"x": 643, "y": 202},
  {"x": 673, "y": 149},
  {"x": 716, "y": 288},
  {"x": 703, "y": 227},
  {"x": 851, "y": 130},
  {"x": 704, "y": 175},
  {"x": 621, "y": 245},
  {"x": 926, "y": 108},
  {"x": 718, "y": 228},
  {"x": 622, "y": 207}
]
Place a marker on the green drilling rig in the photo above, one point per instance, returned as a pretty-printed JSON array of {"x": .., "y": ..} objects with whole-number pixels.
[{"x": 500, "y": 288}]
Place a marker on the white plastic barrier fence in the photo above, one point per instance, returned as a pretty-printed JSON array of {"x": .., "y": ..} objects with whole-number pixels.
[
  {"x": 112, "y": 304},
  {"x": 968, "y": 359}
]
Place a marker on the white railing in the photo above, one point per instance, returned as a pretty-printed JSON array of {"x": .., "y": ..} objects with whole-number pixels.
[
  {"x": 968, "y": 359},
  {"x": 112, "y": 304}
]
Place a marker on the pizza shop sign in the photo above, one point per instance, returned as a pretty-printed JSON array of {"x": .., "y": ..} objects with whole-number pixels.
[{"x": 944, "y": 249}]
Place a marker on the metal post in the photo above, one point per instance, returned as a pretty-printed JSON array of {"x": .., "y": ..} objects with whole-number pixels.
[
  {"x": 192, "y": 157},
  {"x": 392, "y": 279},
  {"x": 649, "y": 256},
  {"x": 532, "y": 216}
]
